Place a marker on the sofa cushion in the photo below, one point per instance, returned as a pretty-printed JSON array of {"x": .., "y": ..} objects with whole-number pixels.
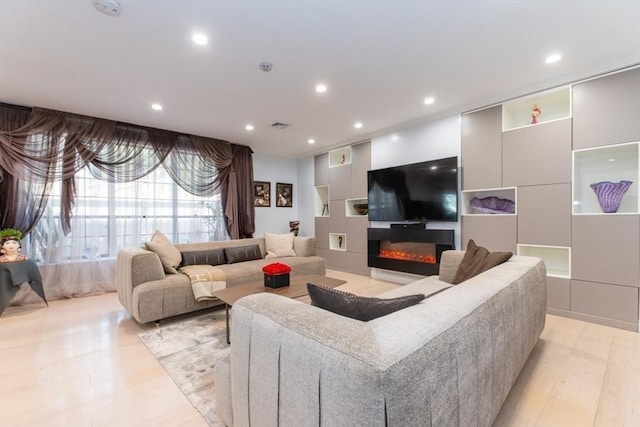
[
  {"x": 279, "y": 245},
  {"x": 477, "y": 260},
  {"x": 204, "y": 257},
  {"x": 242, "y": 253},
  {"x": 355, "y": 306},
  {"x": 168, "y": 254}
]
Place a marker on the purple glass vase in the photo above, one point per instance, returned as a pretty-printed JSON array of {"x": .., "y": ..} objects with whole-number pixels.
[{"x": 610, "y": 194}]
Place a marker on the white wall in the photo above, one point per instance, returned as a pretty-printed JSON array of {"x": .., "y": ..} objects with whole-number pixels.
[
  {"x": 275, "y": 169},
  {"x": 429, "y": 141}
]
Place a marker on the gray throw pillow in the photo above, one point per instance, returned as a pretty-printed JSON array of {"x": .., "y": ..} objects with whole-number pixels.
[
  {"x": 355, "y": 306},
  {"x": 242, "y": 253},
  {"x": 204, "y": 257},
  {"x": 477, "y": 260}
]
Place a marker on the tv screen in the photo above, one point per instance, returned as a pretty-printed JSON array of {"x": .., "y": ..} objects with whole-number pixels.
[{"x": 420, "y": 192}]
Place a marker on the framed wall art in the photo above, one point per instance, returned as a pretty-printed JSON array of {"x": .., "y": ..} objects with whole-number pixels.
[
  {"x": 284, "y": 195},
  {"x": 261, "y": 194}
]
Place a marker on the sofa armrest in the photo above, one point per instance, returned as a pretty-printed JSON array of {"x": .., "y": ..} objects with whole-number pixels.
[
  {"x": 449, "y": 263},
  {"x": 304, "y": 246},
  {"x": 135, "y": 266}
]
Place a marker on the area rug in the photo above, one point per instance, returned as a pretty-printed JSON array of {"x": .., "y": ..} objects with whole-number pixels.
[{"x": 188, "y": 350}]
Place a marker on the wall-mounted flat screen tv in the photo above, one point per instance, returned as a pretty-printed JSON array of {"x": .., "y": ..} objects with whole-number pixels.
[{"x": 419, "y": 192}]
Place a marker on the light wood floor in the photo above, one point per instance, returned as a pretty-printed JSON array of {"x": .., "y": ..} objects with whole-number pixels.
[{"x": 79, "y": 362}]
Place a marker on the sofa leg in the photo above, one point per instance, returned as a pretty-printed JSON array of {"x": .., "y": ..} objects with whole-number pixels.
[{"x": 157, "y": 322}]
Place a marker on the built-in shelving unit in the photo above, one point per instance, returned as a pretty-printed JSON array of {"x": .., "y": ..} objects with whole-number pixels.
[
  {"x": 356, "y": 207},
  {"x": 338, "y": 241},
  {"x": 557, "y": 259},
  {"x": 321, "y": 205},
  {"x": 552, "y": 105},
  {"x": 611, "y": 163},
  {"x": 500, "y": 193},
  {"x": 340, "y": 157}
]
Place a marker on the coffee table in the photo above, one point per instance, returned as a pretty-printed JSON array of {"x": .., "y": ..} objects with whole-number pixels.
[{"x": 297, "y": 288}]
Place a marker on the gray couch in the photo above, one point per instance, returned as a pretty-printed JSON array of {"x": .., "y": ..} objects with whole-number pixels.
[
  {"x": 150, "y": 294},
  {"x": 450, "y": 360}
]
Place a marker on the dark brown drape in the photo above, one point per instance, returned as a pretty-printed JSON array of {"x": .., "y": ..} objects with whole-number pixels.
[{"x": 39, "y": 146}]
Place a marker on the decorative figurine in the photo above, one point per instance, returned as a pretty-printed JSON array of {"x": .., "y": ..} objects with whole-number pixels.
[
  {"x": 535, "y": 114},
  {"x": 11, "y": 246}
]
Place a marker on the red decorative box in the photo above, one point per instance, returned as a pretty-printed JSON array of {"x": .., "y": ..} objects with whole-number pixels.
[
  {"x": 276, "y": 275},
  {"x": 276, "y": 280}
]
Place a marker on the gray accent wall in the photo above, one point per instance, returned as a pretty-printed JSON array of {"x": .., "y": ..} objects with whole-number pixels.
[{"x": 602, "y": 278}]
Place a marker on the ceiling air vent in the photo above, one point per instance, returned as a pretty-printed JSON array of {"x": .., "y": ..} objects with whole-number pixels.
[{"x": 279, "y": 125}]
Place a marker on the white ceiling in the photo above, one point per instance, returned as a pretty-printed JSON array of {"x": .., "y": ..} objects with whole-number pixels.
[{"x": 379, "y": 59}]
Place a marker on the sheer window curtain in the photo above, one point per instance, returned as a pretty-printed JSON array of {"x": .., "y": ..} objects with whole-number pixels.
[{"x": 82, "y": 188}]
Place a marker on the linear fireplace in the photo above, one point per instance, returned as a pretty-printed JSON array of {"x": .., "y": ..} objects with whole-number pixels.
[{"x": 411, "y": 250}]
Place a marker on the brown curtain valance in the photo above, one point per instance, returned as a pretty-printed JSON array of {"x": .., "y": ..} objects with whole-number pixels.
[{"x": 40, "y": 146}]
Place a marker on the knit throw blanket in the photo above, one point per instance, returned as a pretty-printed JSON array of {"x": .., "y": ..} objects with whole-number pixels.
[{"x": 205, "y": 280}]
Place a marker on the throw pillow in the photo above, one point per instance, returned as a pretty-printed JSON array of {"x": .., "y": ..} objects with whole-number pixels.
[
  {"x": 242, "y": 253},
  {"x": 477, "y": 260},
  {"x": 204, "y": 257},
  {"x": 170, "y": 257},
  {"x": 279, "y": 245},
  {"x": 355, "y": 306}
]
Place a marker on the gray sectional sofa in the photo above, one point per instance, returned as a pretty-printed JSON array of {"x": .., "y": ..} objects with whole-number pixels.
[
  {"x": 449, "y": 360},
  {"x": 151, "y": 294}
]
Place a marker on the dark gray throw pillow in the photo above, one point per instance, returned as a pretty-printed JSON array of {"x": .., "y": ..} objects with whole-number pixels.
[
  {"x": 242, "y": 253},
  {"x": 355, "y": 306},
  {"x": 206, "y": 256},
  {"x": 477, "y": 260}
]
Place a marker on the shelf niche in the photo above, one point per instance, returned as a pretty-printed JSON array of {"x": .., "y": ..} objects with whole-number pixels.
[
  {"x": 557, "y": 259},
  {"x": 340, "y": 157},
  {"x": 502, "y": 193},
  {"x": 338, "y": 241},
  {"x": 554, "y": 105},
  {"x": 350, "y": 207},
  {"x": 321, "y": 203},
  {"x": 609, "y": 163}
]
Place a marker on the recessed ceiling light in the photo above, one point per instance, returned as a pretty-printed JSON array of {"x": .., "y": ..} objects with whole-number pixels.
[
  {"x": 395, "y": 137},
  {"x": 200, "y": 39},
  {"x": 429, "y": 100},
  {"x": 321, "y": 88},
  {"x": 553, "y": 58},
  {"x": 249, "y": 127},
  {"x": 358, "y": 125},
  {"x": 311, "y": 141},
  {"x": 157, "y": 107}
]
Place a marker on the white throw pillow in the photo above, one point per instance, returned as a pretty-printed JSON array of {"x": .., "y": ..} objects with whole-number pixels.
[
  {"x": 169, "y": 255},
  {"x": 279, "y": 245}
]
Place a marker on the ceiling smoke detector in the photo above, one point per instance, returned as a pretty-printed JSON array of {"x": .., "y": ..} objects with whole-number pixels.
[
  {"x": 266, "y": 66},
  {"x": 279, "y": 125},
  {"x": 108, "y": 7}
]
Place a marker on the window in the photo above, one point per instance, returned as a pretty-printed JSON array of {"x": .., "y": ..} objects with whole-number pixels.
[{"x": 108, "y": 216}]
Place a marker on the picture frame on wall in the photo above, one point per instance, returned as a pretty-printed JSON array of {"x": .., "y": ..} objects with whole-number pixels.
[
  {"x": 261, "y": 194},
  {"x": 284, "y": 195}
]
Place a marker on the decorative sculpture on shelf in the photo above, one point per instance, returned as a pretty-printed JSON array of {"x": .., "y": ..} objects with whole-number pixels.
[
  {"x": 294, "y": 227},
  {"x": 493, "y": 205},
  {"x": 535, "y": 114},
  {"x": 10, "y": 251},
  {"x": 610, "y": 194}
]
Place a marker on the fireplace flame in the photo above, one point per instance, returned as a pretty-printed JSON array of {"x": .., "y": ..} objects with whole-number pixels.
[{"x": 405, "y": 256}]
